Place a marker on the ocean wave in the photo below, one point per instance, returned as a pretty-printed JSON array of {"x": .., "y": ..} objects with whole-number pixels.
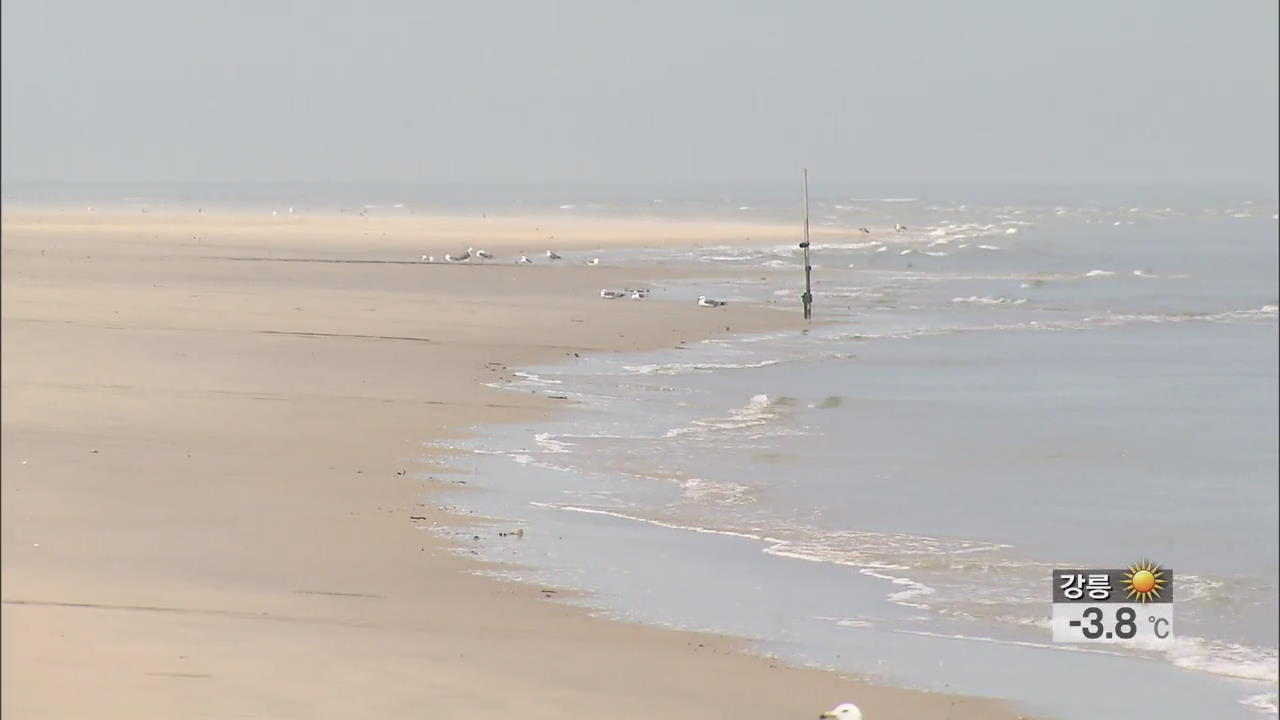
[
  {"x": 760, "y": 409},
  {"x": 647, "y": 521},
  {"x": 536, "y": 379},
  {"x": 1250, "y": 314},
  {"x": 551, "y": 444},
  {"x": 1099, "y": 273},
  {"x": 908, "y": 597},
  {"x": 847, "y": 622},
  {"x": 1017, "y": 643},
  {"x": 1223, "y": 658},
  {"x": 987, "y": 300},
  {"x": 1265, "y": 702},
  {"x": 850, "y": 246},
  {"x": 686, "y": 368},
  {"x": 719, "y": 493}
]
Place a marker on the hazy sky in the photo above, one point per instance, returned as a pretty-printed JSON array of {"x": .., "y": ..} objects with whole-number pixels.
[{"x": 1123, "y": 90}]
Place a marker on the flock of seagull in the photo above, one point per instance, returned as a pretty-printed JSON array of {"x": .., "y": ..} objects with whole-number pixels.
[
  {"x": 471, "y": 252},
  {"x": 552, "y": 256}
]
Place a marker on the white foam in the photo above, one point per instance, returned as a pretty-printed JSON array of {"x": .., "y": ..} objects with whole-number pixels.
[
  {"x": 1099, "y": 273},
  {"x": 847, "y": 622},
  {"x": 1225, "y": 659},
  {"x": 759, "y": 410},
  {"x": 1265, "y": 702},
  {"x": 1265, "y": 312},
  {"x": 686, "y": 368},
  {"x": 550, "y": 444},
  {"x": 1018, "y": 643},
  {"x": 720, "y": 493},
  {"x": 648, "y": 521},
  {"x": 986, "y": 300},
  {"x": 908, "y": 597},
  {"x": 536, "y": 379}
]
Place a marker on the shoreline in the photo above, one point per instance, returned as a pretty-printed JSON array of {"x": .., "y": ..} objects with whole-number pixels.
[{"x": 259, "y": 420}]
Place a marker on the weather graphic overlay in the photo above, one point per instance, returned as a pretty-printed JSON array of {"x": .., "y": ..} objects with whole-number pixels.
[
  {"x": 1145, "y": 581},
  {"x": 1133, "y": 605}
]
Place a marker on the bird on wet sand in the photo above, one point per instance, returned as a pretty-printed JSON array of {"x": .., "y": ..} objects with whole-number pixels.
[
  {"x": 705, "y": 301},
  {"x": 843, "y": 711}
]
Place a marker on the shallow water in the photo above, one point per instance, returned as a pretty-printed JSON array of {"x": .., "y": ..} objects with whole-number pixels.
[{"x": 888, "y": 493}]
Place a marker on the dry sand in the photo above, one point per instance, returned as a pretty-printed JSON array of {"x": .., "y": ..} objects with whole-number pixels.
[{"x": 208, "y": 481}]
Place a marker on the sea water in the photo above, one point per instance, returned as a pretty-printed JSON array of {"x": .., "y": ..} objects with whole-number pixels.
[{"x": 996, "y": 390}]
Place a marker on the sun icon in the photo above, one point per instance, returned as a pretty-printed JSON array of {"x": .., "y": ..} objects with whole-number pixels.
[{"x": 1145, "y": 581}]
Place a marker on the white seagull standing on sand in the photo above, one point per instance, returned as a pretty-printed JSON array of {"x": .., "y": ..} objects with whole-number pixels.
[
  {"x": 482, "y": 254},
  {"x": 843, "y": 711},
  {"x": 428, "y": 258},
  {"x": 705, "y": 301},
  {"x": 637, "y": 295},
  {"x": 524, "y": 260},
  {"x": 608, "y": 294},
  {"x": 899, "y": 227},
  {"x": 552, "y": 256},
  {"x": 457, "y": 258},
  {"x": 593, "y": 261}
]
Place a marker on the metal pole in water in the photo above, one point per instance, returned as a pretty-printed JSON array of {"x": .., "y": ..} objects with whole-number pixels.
[{"x": 807, "y": 297}]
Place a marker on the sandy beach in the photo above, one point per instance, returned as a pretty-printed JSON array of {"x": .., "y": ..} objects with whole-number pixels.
[{"x": 214, "y": 434}]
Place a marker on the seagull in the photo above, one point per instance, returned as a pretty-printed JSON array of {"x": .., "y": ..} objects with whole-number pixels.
[
  {"x": 865, "y": 230},
  {"x": 459, "y": 258},
  {"x": 428, "y": 258},
  {"x": 637, "y": 295},
  {"x": 524, "y": 260},
  {"x": 593, "y": 261},
  {"x": 899, "y": 227},
  {"x": 843, "y": 711},
  {"x": 705, "y": 301},
  {"x": 482, "y": 254},
  {"x": 552, "y": 256},
  {"x": 610, "y": 294}
]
